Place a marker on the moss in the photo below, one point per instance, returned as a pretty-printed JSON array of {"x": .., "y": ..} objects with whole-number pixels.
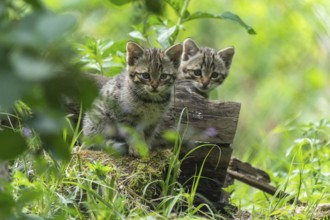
[
  {"x": 135, "y": 176},
  {"x": 148, "y": 174}
]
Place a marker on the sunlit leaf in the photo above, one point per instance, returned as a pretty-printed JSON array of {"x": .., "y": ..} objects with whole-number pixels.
[
  {"x": 116, "y": 47},
  {"x": 137, "y": 35},
  {"x": 176, "y": 5},
  {"x": 226, "y": 15},
  {"x": 114, "y": 70},
  {"x": 164, "y": 35},
  {"x": 170, "y": 135},
  {"x": 12, "y": 144}
]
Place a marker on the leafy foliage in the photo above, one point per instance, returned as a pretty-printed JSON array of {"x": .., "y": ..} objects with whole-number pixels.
[{"x": 36, "y": 69}]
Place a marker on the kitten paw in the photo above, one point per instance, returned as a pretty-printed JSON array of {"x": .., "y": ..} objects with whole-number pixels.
[
  {"x": 116, "y": 147},
  {"x": 133, "y": 152},
  {"x": 138, "y": 152}
]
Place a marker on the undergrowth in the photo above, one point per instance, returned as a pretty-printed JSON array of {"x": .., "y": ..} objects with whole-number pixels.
[{"x": 43, "y": 187}]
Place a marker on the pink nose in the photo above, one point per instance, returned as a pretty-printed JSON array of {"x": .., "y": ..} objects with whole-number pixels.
[
  {"x": 205, "y": 84},
  {"x": 154, "y": 85}
]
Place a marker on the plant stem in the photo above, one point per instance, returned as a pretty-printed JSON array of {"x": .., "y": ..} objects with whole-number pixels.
[{"x": 183, "y": 10}]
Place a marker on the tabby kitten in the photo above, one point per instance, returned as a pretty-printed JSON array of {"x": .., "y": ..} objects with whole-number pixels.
[
  {"x": 134, "y": 100},
  {"x": 206, "y": 67}
]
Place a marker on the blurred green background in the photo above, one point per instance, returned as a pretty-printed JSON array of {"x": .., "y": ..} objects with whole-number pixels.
[{"x": 280, "y": 75}]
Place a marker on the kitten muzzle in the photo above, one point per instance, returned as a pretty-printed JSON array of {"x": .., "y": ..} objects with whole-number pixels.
[
  {"x": 154, "y": 85},
  {"x": 205, "y": 83}
]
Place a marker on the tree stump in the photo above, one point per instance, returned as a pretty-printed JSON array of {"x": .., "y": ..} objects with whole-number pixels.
[{"x": 208, "y": 129}]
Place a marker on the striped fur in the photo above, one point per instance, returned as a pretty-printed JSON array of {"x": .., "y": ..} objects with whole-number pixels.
[
  {"x": 206, "y": 67},
  {"x": 135, "y": 100}
]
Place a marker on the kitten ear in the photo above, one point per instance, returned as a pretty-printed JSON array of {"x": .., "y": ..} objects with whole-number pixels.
[
  {"x": 134, "y": 52},
  {"x": 227, "y": 55},
  {"x": 190, "y": 49},
  {"x": 174, "y": 54}
]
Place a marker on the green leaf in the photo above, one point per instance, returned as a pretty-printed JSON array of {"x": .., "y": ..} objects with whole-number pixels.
[
  {"x": 31, "y": 68},
  {"x": 37, "y": 4},
  {"x": 12, "y": 144},
  {"x": 226, "y": 15},
  {"x": 45, "y": 123},
  {"x": 55, "y": 145},
  {"x": 114, "y": 70},
  {"x": 37, "y": 30},
  {"x": 11, "y": 89},
  {"x": 155, "y": 6},
  {"x": 118, "y": 46},
  {"x": 176, "y": 5},
  {"x": 164, "y": 35},
  {"x": 53, "y": 27},
  {"x": 7, "y": 204},
  {"x": 120, "y": 2},
  {"x": 27, "y": 196},
  {"x": 137, "y": 35}
]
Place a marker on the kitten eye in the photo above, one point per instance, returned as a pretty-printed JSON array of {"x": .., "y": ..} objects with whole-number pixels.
[
  {"x": 145, "y": 75},
  {"x": 197, "y": 72},
  {"x": 163, "y": 76},
  {"x": 214, "y": 75}
]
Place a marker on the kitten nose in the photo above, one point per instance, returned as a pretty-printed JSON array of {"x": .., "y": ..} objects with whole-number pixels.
[
  {"x": 205, "y": 83},
  {"x": 154, "y": 85}
]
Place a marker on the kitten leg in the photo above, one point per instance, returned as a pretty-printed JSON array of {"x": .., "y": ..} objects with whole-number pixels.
[
  {"x": 137, "y": 144},
  {"x": 116, "y": 147},
  {"x": 138, "y": 147},
  {"x": 134, "y": 137},
  {"x": 150, "y": 133}
]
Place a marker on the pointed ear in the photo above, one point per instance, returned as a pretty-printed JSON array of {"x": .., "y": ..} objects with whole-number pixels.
[
  {"x": 227, "y": 55},
  {"x": 134, "y": 52},
  {"x": 190, "y": 49},
  {"x": 174, "y": 54}
]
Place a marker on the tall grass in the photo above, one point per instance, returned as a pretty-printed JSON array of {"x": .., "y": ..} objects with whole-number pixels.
[{"x": 303, "y": 173}]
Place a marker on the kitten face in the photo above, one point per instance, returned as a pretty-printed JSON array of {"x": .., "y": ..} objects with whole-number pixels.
[
  {"x": 205, "y": 66},
  {"x": 151, "y": 70}
]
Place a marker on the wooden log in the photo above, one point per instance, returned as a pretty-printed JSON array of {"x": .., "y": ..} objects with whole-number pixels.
[
  {"x": 203, "y": 120},
  {"x": 206, "y": 123},
  {"x": 256, "y": 178}
]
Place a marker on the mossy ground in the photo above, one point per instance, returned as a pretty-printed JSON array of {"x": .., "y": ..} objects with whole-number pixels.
[{"x": 137, "y": 176}]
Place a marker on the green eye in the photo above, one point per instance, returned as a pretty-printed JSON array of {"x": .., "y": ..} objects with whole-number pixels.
[
  {"x": 214, "y": 75},
  {"x": 163, "y": 76},
  {"x": 197, "y": 72},
  {"x": 145, "y": 75}
]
